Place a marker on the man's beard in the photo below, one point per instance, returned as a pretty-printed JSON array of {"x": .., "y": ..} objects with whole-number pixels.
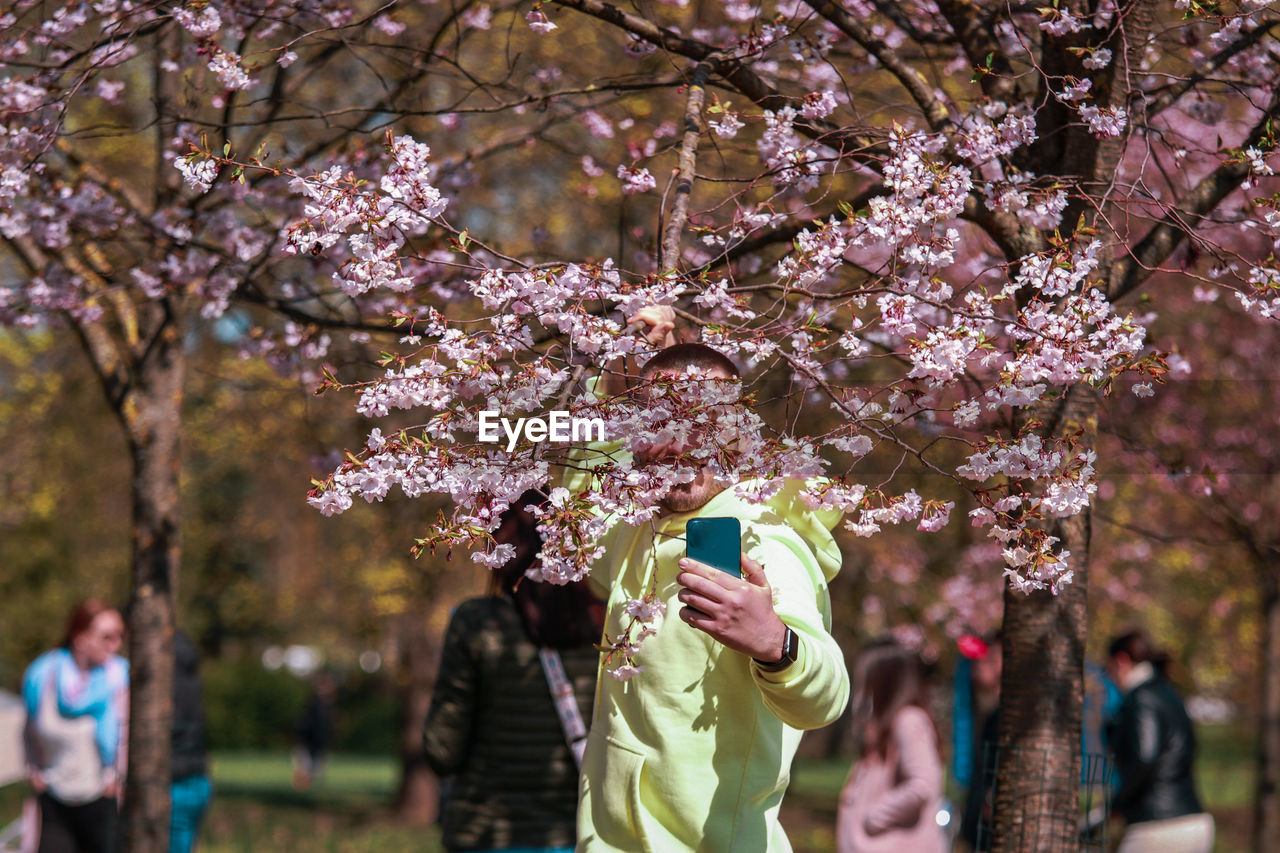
[{"x": 687, "y": 497}]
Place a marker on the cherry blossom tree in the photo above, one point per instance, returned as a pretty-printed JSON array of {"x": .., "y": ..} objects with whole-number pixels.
[
  {"x": 918, "y": 226},
  {"x": 1205, "y": 448},
  {"x": 102, "y": 239}
]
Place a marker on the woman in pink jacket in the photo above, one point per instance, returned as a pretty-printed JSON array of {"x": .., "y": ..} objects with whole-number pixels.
[{"x": 892, "y": 797}]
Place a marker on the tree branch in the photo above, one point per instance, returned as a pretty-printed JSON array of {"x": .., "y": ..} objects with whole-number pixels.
[
  {"x": 782, "y": 234},
  {"x": 1185, "y": 215},
  {"x": 978, "y": 43},
  {"x": 935, "y": 113},
  {"x": 670, "y": 254},
  {"x": 731, "y": 68},
  {"x": 104, "y": 355},
  {"x": 1170, "y": 96}
]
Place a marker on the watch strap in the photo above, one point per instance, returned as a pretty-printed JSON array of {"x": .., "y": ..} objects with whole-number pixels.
[{"x": 790, "y": 644}]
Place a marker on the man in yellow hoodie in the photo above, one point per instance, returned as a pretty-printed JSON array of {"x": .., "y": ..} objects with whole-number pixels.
[{"x": 695, "y": 753}]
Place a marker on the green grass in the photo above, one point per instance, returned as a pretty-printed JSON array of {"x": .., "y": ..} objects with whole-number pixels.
[
  {"x": 254, "y": 827},
  {"x": 257, "y": 809},
  {"x": 1226, "y": 766},
  {"x": 816, "y": 782},
  {"x": 1226, "y": 759},
  {"x": 348, "y": 780},
  {"x": 11, "y": 802},
  {"x": 1225, "y": 772}
]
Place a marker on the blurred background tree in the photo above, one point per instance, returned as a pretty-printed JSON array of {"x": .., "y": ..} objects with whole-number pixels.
[{"x": 262, "y": 569}]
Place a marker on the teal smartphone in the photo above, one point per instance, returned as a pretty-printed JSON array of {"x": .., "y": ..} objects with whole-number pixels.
[{"x": 716, "y": 542}]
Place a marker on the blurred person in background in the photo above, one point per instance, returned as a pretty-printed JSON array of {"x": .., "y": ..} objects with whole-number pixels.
[
  {"x": 1098, "y": 778},
  {"x": 76, "y": 698},
  {"x": 314, "y": 731},
  {"x": 1154, "y": 746},
  {"x": 892, "y": 797},
  {"x": 973, "y": 732},
  {"x": 190, "y": 789},
  {"x": 505, "y": 725}
]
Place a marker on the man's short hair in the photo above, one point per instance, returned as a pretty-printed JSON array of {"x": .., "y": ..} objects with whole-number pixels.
[{"x": 677, "y": 357}]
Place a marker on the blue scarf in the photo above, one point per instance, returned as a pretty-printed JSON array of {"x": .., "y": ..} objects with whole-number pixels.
[{"x": 95, "y": 694}]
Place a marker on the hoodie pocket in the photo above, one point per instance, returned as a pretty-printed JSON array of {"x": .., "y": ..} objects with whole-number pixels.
[{"x": 613, "y": 774}]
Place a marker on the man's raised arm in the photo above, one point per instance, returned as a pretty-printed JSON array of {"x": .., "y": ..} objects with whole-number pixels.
[{"x": 657, "y": 325}]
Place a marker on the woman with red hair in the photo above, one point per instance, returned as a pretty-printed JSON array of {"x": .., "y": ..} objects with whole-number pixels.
[{"x": 77, "y": 707}]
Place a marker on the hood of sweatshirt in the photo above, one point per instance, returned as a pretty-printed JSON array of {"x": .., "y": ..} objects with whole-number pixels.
[{"x": 785, "y": 507}]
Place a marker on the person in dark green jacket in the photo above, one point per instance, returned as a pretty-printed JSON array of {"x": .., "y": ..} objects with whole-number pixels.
[{"x": 493, "y": 727}]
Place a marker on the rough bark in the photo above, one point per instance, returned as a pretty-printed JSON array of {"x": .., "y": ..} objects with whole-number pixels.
[
  {"x": 151, "y": 411},
  {"x": 1036, "y": 803},
  {"x": 418, "y": 800},
  {"x": 138, "y": 357},
  {"x": 136, "y": 352}
]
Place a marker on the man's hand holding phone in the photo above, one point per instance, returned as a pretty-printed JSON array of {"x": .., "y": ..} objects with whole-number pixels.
[{"x": 737, "y": 612}]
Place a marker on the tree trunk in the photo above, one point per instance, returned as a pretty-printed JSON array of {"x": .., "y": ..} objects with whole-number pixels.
[
  {"x": 1266, "y": 810},
  {"x": 151, "y": 411},
  {"x": 418, "y": 800},
  {"x": 1037, "y": 790},
  {"x": 1036, "y": 804}
]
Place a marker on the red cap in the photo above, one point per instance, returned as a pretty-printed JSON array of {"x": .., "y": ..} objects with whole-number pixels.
[{"x": 972, "y": 647}]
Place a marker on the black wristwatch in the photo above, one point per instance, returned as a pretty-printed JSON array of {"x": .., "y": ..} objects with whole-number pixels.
[{"x": 790, "y": 649}]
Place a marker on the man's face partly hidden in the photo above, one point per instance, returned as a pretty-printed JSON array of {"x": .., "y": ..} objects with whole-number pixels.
[{"x": 683, "y": 497}]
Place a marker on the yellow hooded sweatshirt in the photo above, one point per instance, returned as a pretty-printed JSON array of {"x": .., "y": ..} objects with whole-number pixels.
[{"x": 694, "y": 753}]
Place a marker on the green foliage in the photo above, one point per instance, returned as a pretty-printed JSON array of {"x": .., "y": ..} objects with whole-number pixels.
[
  {"x": 368, "y": 716},
  {"x": 247, "y": 707},
  {"x": 1226, "y": 764},
  {"x": 64, "y": 520}
]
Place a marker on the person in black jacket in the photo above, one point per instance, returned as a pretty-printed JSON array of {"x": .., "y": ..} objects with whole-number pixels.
[
  {"x": 1154, "y": 746},
  {"x": 493, "y": 726},
  {"x": 190, "y": 789}
]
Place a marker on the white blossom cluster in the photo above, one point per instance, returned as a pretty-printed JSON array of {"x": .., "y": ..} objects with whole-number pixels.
[
  {"x": 892, "y": 319},
  {"x": 374, "y": 225}
]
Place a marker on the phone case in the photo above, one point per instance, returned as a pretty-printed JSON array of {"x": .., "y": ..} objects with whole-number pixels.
[{"x": 716, "y": 542}]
